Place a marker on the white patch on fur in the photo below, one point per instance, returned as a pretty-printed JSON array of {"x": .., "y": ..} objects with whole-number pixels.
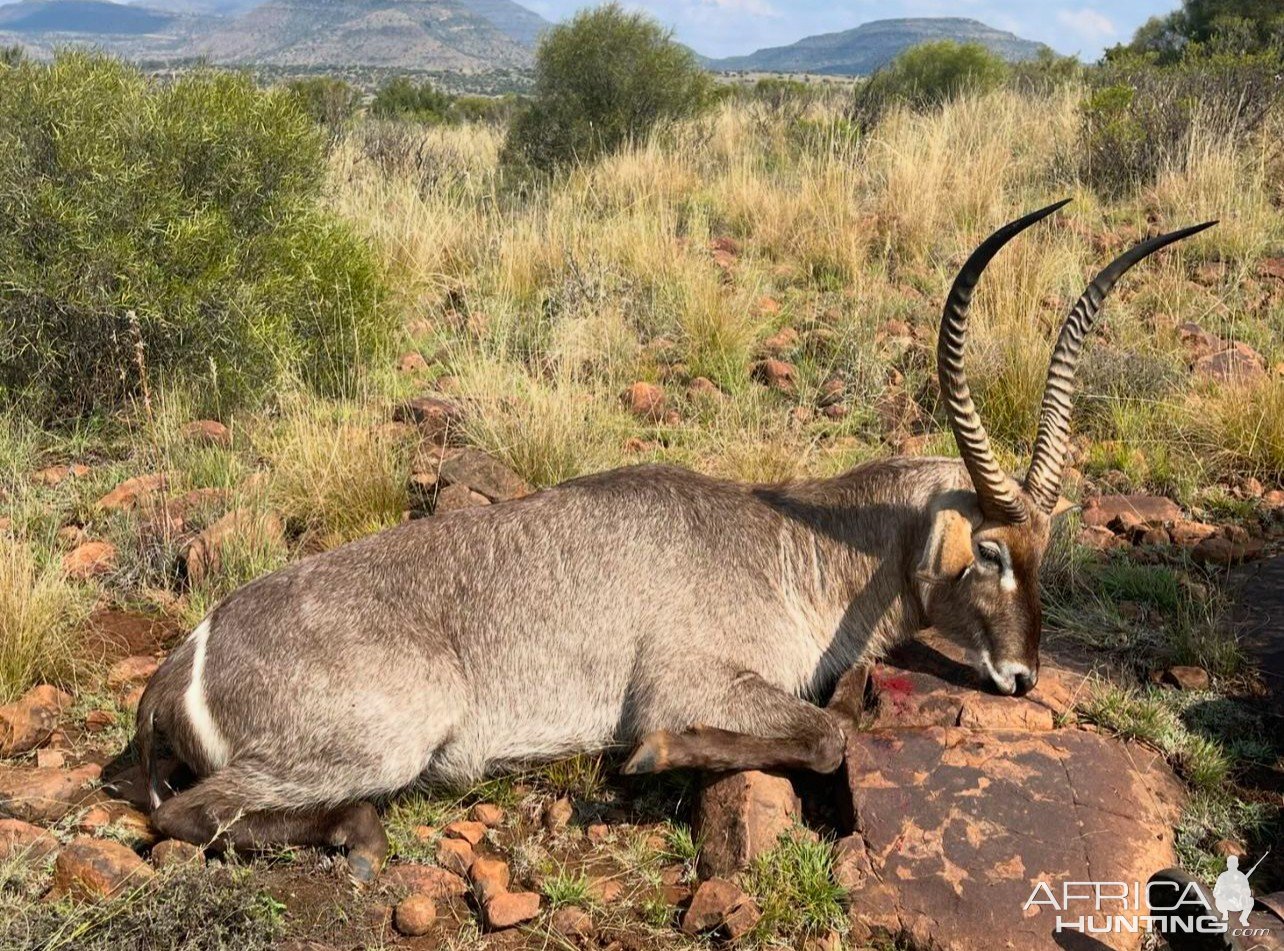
[
  {"x": 1007, "y": 581},
  {"x": 207, "y": 733}
]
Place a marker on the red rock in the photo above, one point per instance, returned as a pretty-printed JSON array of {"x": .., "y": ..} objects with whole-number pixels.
[
  {"x": 713, "y": 901},
  {"x": 1273, "y": 498},
  {"x": 69, "y": 536},
  {"x": 742, "y": 920},
  {"x": 452, "y": 498},
  {"x": 96, "y": 721},
  {"x": 171, "y": 852},
  {"x": 490, "y": 877},
  {"x": 1149, "y": 510},
  {"x": 30, "y": 721},
  {"x": 1187, "y": 678},
  {"x": 777, "y": 374},
  {"x": 482, "y": 473},
  {"x": 488, "y": 814},
  {"x": 781, "y": 342},
  {"x": 644, "y": 401},
  {"x": 208, "y": 432},
  {"x": 572, "y": 922},
  {"x": 89, "y": 560},
  {"x": 1225, "y": 847},
  {"x": 726, "y": 244},
  {"x": 1198, "y": 341},
  {"x": 605, "y": 890},
  {"x": 431, "y": 880},
  {"x": 121, "y": 818},
  {"x": 703, "y": 388},
  {"x": 598, "y": 832},
  {"x": 470, "y": 832},
  {"x": 1100, "y": 538},
  {"x": 455, "y": 855},
  {"x": 898, "y": 412},
  {"x": 412, "y": 362},
  {"x": 770, "y": 307},
  {"x": 894, "y": 330},
  {"x": 54, "y": 475},
  {"x": 242, "y": 527},
  {"x": 1249, "y": 488},
  {"x": 131, "y": 670},
  {"x": 438, "y": 419},
  {"x": 131, "y": 491},
  {"x": 50, "y": 759},
  {"x": 97, "y": 868},
  {"x": 22, "y": 840},
  {"x": 740, "y": 816},
  {"x": 1238, "y": 363},
  {"x": 832, "y": 391},
  {"x": 1188, "y": 534},
  {"x": 415, "y": 915},
  {"x": 558, "y": 814},
  {"x": 1223, "y": 550},
  {"x": 1272, "y": 268},
  {"x": 509, "y": 909}
]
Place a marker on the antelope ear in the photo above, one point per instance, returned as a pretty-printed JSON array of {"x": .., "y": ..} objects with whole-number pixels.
[
  {"x": 1063, "y": 505},
  {"x": 949, "y": 548}
]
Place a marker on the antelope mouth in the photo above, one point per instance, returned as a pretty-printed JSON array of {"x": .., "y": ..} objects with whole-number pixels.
[{"x": 1010, "y": 678}]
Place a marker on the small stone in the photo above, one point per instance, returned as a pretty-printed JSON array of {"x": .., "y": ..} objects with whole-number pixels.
[
  {"x": 1249, "y": 488},
  {"x": 424, "y": 833},
  {"x": 23, "y": 840},
  {"x": 50, "y": 759},
  {"x": 605, "y": 890},
  {"x": 488, "y": 814},
  {"x": 242, "y": 527},
  {"x": 1100, "y": 538},
  {"x": 645, "y": 401},
  {"x": 832, "y": 391},
  {"x": 572, "y": 922},
  {"x": 770, "y": 307},
  {"x": 208, "y": 432},
  {"x": 490, "y": 877},
  {"x": 30, "y": 721},
  {"x": 97, "y": 868},
  {"x": 1273, "y": 498},
  {"x": 742, "y": 920},
  {"x": 415, "y": 915},
  {"x": 437, "y": 883},
  {"x": 455, "y": 855},
  {"x": 781, "y": 342},
  {"x": 834, "y": 411},
  {"x": 777, "y": 374},
  {"x": 557, "y": 815},
  {"x": 740, "y": 816},
  {"x": 598, "y": 833},
  {"x": 1186, "y": 533},
  {"x": 131, "y": 491},
  {"x": 703, "y": 388},
  {"x": 89, "y": 560},
  {"x": 1228, "y": 847},
  {"x": 509, "y": 909},
  {"x": 96, "y": 721},
  {"x": 714, "y": 900},
  {"x": 55, "y": 475},
  {"x": 1187, "y": 678},
  {"x": 452, "y": 498},
  {"x": 438, "y": 419},
  {"x": 131, "y": 670},
  {"x": 1221, "y": 549},
  {"x": 171, "y": 852},
  {"x": 412, "y": 362},
  {"x": 69, "y": 536},
  {"x": 725, "y": 244},
  {"x": 482, "y": 473},
  {"x": 470, "y": 832}
]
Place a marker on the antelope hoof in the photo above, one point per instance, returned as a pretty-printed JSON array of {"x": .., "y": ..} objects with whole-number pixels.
[
  {"x": 651, "y": 755},
  {"x": 362, "y": 869}
]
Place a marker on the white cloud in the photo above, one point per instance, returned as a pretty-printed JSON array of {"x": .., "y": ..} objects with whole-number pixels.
[
  {"x": 1087, "y": 24},
  {"x": 756, "y": 8}
]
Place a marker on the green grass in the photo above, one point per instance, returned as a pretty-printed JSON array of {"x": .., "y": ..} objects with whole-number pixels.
[
  {"x": 794, "y": 886},
  {"x": 567, "y": 888}
]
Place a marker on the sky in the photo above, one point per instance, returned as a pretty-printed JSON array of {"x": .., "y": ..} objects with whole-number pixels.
[{"x": 735, "y": 27}]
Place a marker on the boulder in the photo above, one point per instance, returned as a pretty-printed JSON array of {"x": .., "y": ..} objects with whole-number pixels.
[
  {"x": 128, "y": 494},
  {"x": 431, "y": 880},
  {"x": 414, "y": 916},
  {"x": 97, "y": 868},
  {"x": 22, "y": 840},
  {"x": 1186, "y": 678},
  {"x": 1130, "y": 510},
  {"x": 510, "y": 908},
  {"x": 714, "y": 900},
  {"x": 438, "y": 419},
  {"x": 412, "y": 362},
  {"x": 776, "y": 374},
  {"x": 30, "y": 721},
  {"x": 482, "y": 473},
  {"x": 89, "y": 560},
  {"x": 44, "y": 795},
  {"x": 452, "y": 498},
  {"x": 645, "y": 401},
  {"x": 740, "y": 816},
  {"x": 1223, "y": 549},
  {"x": 245, "y": 527},
  {"x": 703, "y": 388},
  {"x": 207, "y": 432},
  {"x": 1238, "y": 363}
]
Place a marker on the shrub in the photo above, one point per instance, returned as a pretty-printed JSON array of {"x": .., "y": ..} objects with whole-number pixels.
[
  {"x": 329, "y": 101},
  {"x": 401, "y": 98},
  {"x": 928, "y": 75},
  {"x": 1138, "y": 116},
  {"x": 603, "y": 80},
  {"x": 1227, "y": 26},
  {"x": 169, "y": 230}
]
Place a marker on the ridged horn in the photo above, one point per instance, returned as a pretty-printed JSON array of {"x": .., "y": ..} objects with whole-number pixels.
[
  {"x": 1043, "y": 481},
  {"x": 996, "y": 492}
]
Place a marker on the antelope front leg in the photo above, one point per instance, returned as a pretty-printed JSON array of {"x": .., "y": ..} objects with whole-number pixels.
[{"x": 761, "y": 728}]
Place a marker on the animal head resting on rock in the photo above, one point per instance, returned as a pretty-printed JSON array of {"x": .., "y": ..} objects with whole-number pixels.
[{"x": 694, "y": 619}]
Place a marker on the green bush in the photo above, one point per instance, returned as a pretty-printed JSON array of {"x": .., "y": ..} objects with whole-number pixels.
[
  {"x": 927, "y": 75},
  {"x": 603, "y": 80},
  {"x": 329, "y": 101},
  {"x": 1236, "y": 27},
  {"x": 155, "y": 230},
  {"x": 1138, "y": 114},
  {"x": 401, "y": 98}
]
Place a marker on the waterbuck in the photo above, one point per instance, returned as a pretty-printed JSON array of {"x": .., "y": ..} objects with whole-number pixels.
[{"x": 695, "y": 618}]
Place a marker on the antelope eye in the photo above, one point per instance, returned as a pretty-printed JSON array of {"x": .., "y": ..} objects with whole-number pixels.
[{"x": 991, "y": 553}]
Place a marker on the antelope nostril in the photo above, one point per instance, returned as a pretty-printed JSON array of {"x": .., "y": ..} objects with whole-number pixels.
[{"x": 1025, "y": 682}]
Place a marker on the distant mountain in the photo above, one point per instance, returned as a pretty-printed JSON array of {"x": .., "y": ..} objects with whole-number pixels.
[
  {"x": 860, "y": 51},
  {"x": 420, "y": 34},
  {"x": 511, "y": 19},
  {"x": 81, "y": 16}
]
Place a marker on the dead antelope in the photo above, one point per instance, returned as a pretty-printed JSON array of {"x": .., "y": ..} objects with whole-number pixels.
[{"x": 696, "y": 618}]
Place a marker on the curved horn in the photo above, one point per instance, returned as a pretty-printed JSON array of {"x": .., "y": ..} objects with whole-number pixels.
[
  {"x": 996, "y": 492},
  {"x": 1043, "y": 481}
]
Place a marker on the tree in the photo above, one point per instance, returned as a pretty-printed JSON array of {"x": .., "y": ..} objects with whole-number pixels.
[
  {"x": 927, "y": 75},
  {"x": 1227, "y": 26},
  {"x": 402, "y": 99},
  {"x": 602, "y": 80}
]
